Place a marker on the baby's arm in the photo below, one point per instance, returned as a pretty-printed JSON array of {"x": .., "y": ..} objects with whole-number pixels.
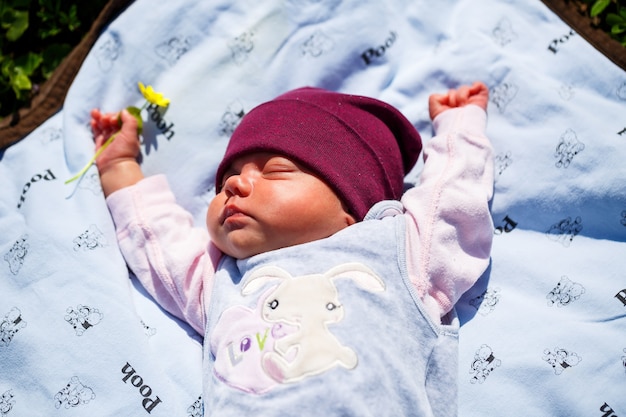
[
  {"x": 450, "y": 228},
  {"x": 174, "y": 260},
  {"x": 117, "y": 164},
  {"x": 156, "y": 236}
]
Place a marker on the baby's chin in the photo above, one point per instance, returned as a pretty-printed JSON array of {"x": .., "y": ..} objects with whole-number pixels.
[
  {"x": 250, "y": 251},
  {"x": 239, "y": 251}
]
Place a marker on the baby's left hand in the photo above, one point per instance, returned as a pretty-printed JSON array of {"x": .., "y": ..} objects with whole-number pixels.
[
  {"x": 124, "y": 147},
  {"x": 477, "y": 94}
]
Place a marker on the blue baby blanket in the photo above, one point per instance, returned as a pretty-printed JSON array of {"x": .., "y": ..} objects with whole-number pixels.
[{"x": 544, "y": 330}]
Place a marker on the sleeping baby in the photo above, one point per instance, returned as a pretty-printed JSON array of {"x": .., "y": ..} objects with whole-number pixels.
[{"x": 320, "y": 285}]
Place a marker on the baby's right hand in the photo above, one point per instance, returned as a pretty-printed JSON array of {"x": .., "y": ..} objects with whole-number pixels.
[
  {"x": 477, "y": 94},
  {"x": 124, "y": 147}
]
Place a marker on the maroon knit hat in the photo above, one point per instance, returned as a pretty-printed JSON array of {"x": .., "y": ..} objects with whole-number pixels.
[{"x": 361, "y": 147}]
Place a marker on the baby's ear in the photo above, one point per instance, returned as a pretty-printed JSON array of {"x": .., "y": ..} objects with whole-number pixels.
[
  {"x": 349, "y": 218},
  {"x": 261, "y": 276}
]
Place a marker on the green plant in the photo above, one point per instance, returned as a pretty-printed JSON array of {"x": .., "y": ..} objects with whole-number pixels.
[
  {"x": 609, "y": 15},
  {"x": 35, "y": 36}
]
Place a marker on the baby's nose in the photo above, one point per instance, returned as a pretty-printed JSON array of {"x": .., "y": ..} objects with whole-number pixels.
[{"x": 238, "y": 184}]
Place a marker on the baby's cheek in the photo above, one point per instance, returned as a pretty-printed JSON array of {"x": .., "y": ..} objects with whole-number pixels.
[{"x": 212, "y": 216}]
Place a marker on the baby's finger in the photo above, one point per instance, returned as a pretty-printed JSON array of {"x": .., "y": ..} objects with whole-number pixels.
[
  {"x": 94, "y": 126},
  {"x": 479, "y": 88},
  {"x": 111, "y": 120},
  {"x": 437, "y": 99},
  {"x": 452, "y": 99},
  {"x": 95, "y": 120},
  {"x": 98, "y": 140},
  {"x": 463, "y": 94}
]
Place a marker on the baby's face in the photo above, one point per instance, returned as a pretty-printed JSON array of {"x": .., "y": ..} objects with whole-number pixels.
[{"x": 269, "y": 202}]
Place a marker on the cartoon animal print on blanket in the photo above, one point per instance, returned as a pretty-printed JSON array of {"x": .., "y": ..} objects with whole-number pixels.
[
  {"x": 317, "y": 44},
  {"x": 17, "y": 254},
  {"x": 50, "y": 135},
  {"x": 487, "y": 301},
  {"x": 503, "y": 33},
  {"x": 231, "y": 118},
  {"x": 484, "y": 364},
  {"x": 74, "y": 394},
  {"x": 91, "y": 182},
  {"x": 108, "y": 51},
  {"x": 503, "y": 94},
  {"x": 149, "y": 331},
  {"x": 90, "y": 239},
  {"x": 561, "y": 359},
  {"x": 174, "y": 48},
  {"x": 6, "y": 403},
  {"x": 569, "y": 146},
  {"x": 82, "y": 318},
  {"x": 10, "y": 325},
  {"x": 566, "y": 92},
  {"x": 621, "y": 91},
  {"x": 506, "y": 226},
  {"x": 196, "y": 409},
  {"x": 565, "y": 230},
  {"x": 565, "y": 292},
  {"x": 241, "y": 46},
  {"x": 502, "y": 162}
]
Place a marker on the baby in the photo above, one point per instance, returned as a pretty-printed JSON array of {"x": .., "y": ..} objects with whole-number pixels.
[{"x": 320, "y": 286}]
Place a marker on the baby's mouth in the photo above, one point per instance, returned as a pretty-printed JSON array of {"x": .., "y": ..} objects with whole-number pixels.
[{"x": 232, "y": 212}]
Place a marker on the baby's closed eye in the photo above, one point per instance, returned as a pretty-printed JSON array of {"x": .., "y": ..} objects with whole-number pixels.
[{"x": 278, "y": 166}]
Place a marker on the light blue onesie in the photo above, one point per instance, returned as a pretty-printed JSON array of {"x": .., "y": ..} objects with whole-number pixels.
[
  {"x": 346, "y": 325},
  {"x": 328, "y": 328}
]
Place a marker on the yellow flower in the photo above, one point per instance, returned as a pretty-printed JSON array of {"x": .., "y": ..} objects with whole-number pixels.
[{"x": 152, "y": 96}]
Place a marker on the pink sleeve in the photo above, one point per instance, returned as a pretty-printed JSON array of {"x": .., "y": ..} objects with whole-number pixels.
[
  {"x": 174, "y": 260},
  {"x": 450, "y": 227}
]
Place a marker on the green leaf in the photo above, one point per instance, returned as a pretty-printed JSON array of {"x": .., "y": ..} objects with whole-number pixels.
[
  {"x": 599, "y": 6},
  {"x": 21, "y": 80},
  {"x": 612, "y": 19},
  {"x": 28, "y": 63},
  {"x": 20, "y": 83},
  {"x": 18, "y": 26},
  {"x": 71, "y": 19},
  {"x": 135, "y": 111},
  {"x": 6, "y": 67},
  {"x": 617, "y": 29},
  {"x": 52, "y": 31}
]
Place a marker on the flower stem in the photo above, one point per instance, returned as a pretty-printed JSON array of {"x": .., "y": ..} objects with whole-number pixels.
[{"x": 88, "y": 165}]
